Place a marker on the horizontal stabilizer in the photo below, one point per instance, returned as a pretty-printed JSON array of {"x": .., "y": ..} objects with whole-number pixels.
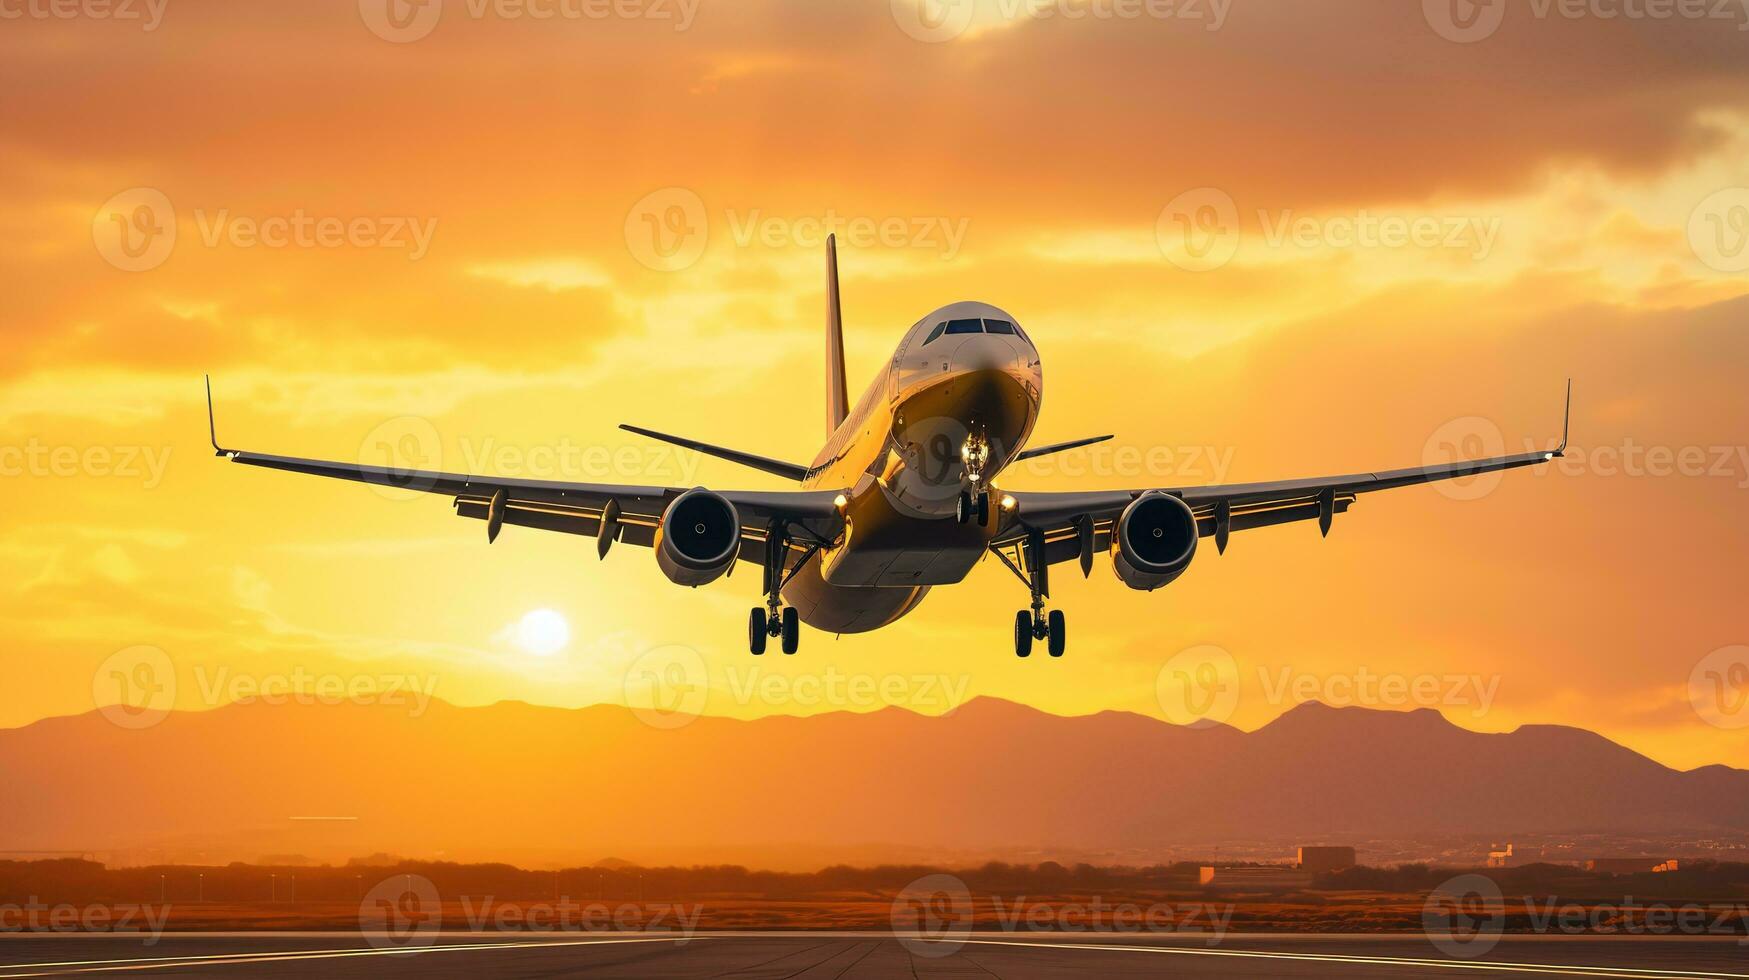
[
  {"x": 789, "y": 471},
  {"x": 1058, "y": 447}
]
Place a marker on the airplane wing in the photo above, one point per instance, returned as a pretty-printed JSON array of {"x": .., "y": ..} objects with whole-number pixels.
[
  {"x": 1076, "y": 525},
  {"x": 632, "y": 513}
]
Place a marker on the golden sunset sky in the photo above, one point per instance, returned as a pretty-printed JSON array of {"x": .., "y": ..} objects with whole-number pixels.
[{"x": 523, "y": 230}]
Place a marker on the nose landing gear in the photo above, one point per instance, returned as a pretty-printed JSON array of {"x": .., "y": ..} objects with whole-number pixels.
[
  {"x": 974, "y": 502},
  {"x": 973, "y": 506},
  {"x": 1034, "y": 624}
]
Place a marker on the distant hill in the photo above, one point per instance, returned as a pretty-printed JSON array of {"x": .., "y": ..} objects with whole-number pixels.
[{"x": 513, "y": 781}]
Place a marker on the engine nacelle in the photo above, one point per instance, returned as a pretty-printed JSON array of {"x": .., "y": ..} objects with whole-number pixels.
[
  {"x": 698, "y": 539},
  {"x": 1153, "y": 541}
]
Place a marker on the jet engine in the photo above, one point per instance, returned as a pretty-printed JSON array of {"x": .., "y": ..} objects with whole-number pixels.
[
  {"x": 1153, "y": 542},
  {"x": 698, "y": 539}
]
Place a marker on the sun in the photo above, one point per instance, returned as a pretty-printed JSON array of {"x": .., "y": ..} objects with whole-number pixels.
[{"x": 543, "y": 632}]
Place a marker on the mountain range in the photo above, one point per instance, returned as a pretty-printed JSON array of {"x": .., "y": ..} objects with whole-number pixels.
[{"x": 513, "y": 781}]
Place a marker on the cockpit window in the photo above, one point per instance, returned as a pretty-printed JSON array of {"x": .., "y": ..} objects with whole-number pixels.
[
  {"x": 964, "y": 326},
  {"x": 935, "y": 333},
  {"x": 998, "y": 326}
]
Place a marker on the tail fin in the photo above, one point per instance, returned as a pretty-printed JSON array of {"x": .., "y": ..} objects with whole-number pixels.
[{"x": 837, "y": 397}]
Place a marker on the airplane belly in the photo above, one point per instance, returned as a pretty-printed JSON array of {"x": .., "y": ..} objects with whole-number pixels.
[
  {"x": 884, "y": 546},
  {"x": 840, "y": 609},
  {"x": 880, "y": 568}
]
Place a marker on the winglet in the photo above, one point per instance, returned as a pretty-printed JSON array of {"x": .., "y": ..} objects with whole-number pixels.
[
  {"x": 212, "y": 429},
  {"x": 1566, "y": 422}
]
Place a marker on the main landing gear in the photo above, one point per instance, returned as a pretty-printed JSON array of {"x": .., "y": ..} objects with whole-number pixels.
[
  {"x": 774, "y": 619},
  {"x": 1034, "y": 624},
  {"x": 762, "y": 624}
]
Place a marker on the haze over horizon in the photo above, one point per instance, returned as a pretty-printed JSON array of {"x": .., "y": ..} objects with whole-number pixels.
[{"x": 569, "y": 224}]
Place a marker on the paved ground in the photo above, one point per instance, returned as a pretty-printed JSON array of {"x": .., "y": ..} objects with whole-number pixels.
[{"x": 850, "y": 956}]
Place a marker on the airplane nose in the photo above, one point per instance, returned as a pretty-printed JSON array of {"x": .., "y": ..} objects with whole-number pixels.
[{"x": 986, "y": 354}]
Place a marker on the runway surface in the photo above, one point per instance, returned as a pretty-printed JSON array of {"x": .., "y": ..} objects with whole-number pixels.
[{"x": 851, "y": 956}]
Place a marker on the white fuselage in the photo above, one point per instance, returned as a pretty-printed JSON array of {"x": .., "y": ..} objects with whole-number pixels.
[{"x": 964, "y": 385}]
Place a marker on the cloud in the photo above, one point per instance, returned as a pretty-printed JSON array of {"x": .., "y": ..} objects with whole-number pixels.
[{"x": 555, "y": 275}]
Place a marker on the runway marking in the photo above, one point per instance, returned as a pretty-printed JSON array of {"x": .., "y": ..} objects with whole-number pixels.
[
  {"x": 272, "y": 956},
  {"x": 1500, "y": 966}
]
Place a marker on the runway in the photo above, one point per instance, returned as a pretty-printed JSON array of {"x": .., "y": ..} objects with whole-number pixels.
[{"x": 851, "y": 956}]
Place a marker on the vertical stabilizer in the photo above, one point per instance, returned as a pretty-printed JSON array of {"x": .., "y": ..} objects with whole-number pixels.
[{"x": 837, "y": 397}]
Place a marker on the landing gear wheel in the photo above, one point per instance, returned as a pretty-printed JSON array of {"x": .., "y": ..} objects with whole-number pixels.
[
  {"x": 792, "y": 630},
  {"x": 984, "y": 509},
  {"x": 1057, "y": 637},
  {"x": 756, "y": 631},
  {"x": 963, "y": 509},
  {"x": 1023, "y": 634}
]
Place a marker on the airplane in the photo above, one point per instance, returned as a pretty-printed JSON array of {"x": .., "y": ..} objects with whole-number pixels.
[{"x": 904, "y": 495}]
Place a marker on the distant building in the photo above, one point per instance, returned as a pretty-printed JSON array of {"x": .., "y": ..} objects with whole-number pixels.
[
  {"x": 1499, "y": 857},
  {"x": 1266, "y": 878},
  {"x": 1321, "y": 860},
  {"x": 1630, "y": 865}
]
